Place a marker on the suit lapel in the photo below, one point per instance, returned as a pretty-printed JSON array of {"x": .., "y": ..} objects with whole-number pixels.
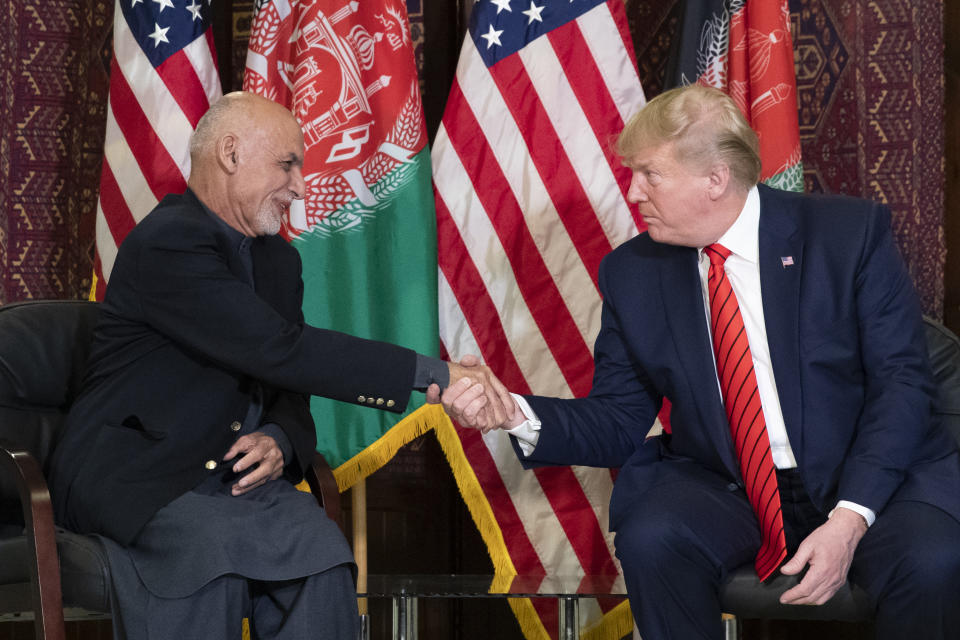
[
  {"x": 781, "y": 244},
  {"x": 686, "y": 316}
]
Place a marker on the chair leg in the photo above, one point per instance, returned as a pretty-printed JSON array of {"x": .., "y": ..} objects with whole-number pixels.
[
  {"x": 731, "y": 627},
  {"x": 42, "y": 542}
]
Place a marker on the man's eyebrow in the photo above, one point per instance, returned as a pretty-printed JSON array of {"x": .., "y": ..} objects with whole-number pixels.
[{"x": 293, "y": 158}]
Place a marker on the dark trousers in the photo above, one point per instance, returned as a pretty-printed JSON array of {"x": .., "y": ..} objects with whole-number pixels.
[
  {"x": 321, "y": 606},
  {"x": 683, "y": 537}
]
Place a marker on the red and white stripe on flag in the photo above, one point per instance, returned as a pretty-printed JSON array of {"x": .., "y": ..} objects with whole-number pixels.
[
  {"x": 163, "y": 77},
  {"x": 530, "y": 197}
]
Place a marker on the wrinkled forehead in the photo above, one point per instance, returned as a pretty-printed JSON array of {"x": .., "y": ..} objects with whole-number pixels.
[{"x": 646, "y": 155}]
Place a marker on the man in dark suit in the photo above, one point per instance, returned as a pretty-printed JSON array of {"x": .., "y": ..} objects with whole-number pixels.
[
  {"x": 786, "y": 333},
  {"x": 193, "y": 425}
]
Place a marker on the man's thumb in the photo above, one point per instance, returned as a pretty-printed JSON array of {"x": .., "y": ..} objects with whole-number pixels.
[{"x": 793, "y": 565}]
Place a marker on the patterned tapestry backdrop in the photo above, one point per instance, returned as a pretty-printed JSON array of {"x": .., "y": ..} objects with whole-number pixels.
[
  {"x": 870, "y": 84},
  {"x": 869, "y": 77},
  {"x": 52, "y": 118}
]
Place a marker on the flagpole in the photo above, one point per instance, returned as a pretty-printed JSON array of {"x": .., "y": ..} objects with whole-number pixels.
[{"x": 358, "y": 495}]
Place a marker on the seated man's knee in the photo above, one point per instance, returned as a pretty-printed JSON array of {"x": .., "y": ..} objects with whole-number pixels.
[
  {"x": 932, "y": 569},
  {"x": 649, "y": 536}
]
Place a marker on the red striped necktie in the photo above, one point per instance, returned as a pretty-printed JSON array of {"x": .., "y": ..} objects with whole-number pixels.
[{"x": 738, "y": 384}]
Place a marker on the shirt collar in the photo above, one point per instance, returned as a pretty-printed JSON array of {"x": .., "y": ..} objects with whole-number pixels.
[{"x": 743, "y": 236}]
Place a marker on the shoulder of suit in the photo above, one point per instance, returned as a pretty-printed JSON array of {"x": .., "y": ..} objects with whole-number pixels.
[
  {"x": 180, "y": 218},
  {"x": 814, "y": 201},
  {"x": 812, "y": 209},
  {"x": 176, "y": 213}
]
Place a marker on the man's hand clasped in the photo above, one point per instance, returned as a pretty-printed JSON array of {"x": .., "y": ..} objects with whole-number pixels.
[
  {"x": 255, "y": 448},
  {"x": 475, "y": 398}
]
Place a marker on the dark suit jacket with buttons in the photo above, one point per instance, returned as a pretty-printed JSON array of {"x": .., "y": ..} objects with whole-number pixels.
[
  {"x": 180, "y": 339},
  {"x": 846, "y": 343}
]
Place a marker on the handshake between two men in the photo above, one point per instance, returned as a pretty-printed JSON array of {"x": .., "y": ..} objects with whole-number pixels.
[{"x": 476, "y": 398}]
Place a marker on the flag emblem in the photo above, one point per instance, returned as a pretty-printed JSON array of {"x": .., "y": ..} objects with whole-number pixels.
[
  {"x": 345, "y": 67},
  {"x": 786, "y": 261},
  {"x": 346, "y": 70}
]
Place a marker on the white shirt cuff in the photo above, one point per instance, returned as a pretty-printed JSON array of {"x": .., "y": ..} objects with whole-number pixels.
[
  {"x": 527, "y": 433},
  {"x": 867, "y": 514}
]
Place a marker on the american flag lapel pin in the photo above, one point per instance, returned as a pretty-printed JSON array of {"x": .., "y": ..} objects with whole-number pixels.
[{"x": 786, "y": 261}]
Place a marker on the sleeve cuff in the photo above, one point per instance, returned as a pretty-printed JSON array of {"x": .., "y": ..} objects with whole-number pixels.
[
  {"x": 527, "y": 433},
  {"x": 276, "y": 432},
  {"x": 867, "y": 514},
  {"x": 429, "y": 371}
]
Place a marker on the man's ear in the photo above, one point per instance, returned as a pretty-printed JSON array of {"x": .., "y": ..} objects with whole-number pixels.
[
  {"x": 719, "y": 179},
  {"x": 227, "y": 147}
]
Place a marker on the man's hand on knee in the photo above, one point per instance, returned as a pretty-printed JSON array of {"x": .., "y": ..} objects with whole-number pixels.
[
  {"x": 829, "y": 551},
  {"x": 262, "y": 460}
]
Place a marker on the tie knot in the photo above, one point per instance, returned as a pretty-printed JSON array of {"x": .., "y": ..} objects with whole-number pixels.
[{"x": 717, "y": 253}]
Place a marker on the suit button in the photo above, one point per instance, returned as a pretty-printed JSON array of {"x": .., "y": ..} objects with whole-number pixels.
[
  {"x": 211, "y": 465},
  {"x": 379, "y": 401},
  {"x": 361, "y": 398},
  {"x": 235, "y": 426},
  {"x": 390, "y": 403}
]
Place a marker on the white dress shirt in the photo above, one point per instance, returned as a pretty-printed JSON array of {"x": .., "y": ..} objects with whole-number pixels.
[{"x": 743, "y": 271}]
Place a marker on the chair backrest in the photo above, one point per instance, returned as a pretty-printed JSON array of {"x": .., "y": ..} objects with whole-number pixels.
[
  {"x": 944, "y": 348},
  {"x": 44, "y": 347}
]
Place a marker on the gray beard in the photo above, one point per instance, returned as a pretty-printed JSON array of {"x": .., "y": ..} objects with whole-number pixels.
[{"x": 267, "y": 223}]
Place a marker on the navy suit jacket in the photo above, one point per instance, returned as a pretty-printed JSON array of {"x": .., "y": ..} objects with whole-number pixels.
[
  {"x": 181, "y": 337},
  {"x": 846, "y": 343}
]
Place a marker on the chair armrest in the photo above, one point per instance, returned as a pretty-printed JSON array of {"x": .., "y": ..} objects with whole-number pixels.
[
  {"x": 44, "y": 563},
  {"x": 324, "y": 486}
]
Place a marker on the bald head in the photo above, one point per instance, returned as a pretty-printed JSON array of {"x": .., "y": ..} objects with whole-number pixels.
[
  {"x": 246, "y": 157},
  {"x": 240, "y": 111}
]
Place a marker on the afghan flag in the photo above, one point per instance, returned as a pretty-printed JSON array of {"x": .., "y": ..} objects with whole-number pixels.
[
  {"x": 366, "y": 229},
  {"x": 744, "y": 48}
]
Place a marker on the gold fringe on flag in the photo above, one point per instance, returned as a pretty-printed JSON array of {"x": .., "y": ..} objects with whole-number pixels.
[
  {"x": 92, "y": 296},
  {"x": 473, "y": 496},
  {"x": 614, "y": 625},
  {"x": 381, "y": 450}
]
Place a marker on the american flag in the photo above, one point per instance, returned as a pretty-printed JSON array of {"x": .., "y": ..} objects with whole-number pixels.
[
  {"x": 163, "y": 77},
  {"x": 530, "y": 197}
]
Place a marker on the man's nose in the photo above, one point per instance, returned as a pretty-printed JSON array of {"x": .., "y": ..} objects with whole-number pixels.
[
  {"x": 637, "y": 191},
  {"x": 297, "y": 184}
]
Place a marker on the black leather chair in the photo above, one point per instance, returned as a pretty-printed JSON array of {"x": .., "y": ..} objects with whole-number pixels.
[
  {"x": 43, "y": 569},
  {"x": 746, "y": 597}
]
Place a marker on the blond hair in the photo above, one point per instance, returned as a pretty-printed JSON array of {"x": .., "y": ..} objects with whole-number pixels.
[{"x": 706, "y": 127}]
